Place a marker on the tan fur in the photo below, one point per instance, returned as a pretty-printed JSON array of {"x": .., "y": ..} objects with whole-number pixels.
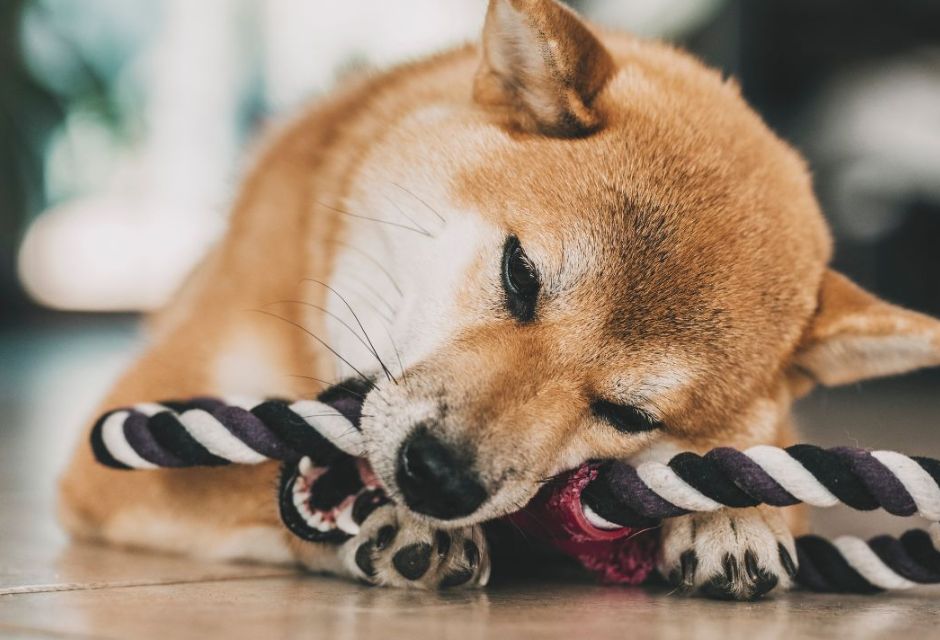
[{"x": 682, "y": 251}]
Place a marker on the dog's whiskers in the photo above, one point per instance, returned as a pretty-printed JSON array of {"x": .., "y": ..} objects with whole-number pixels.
[
  {"x": 388, "y": 333},
  {"x": 378, "y": 312},
  {"x": 356, "y": 279},
  {"x": 422, "y": 201},
  {"x": 405, "y": 215},
  {"x": 358, "y": 322},
  {"x": 401, "y": 366},
  {"x": 390, "y": 223},
  {"x": 367, "y": 345},
  {"x": 371, "y": 259},
  {"x": 328, "y": 384},
  {"x": 319, "y": 340}
]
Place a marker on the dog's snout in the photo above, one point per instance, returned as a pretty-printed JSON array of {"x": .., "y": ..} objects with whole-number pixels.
[{"x": 435, "y": 480}]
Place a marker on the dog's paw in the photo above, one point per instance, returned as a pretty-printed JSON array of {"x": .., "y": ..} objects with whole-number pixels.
[
  {"x": 732, "y": 554},
  {"x": 394, "y": 548}
]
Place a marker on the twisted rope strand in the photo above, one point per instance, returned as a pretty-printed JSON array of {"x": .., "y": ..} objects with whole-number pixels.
[
  {"x": 322, "y": 495},
  {"x": 624, "y": 495},
  {"x": 178, "y": 434},
  {"x": 861, "y": 479}
]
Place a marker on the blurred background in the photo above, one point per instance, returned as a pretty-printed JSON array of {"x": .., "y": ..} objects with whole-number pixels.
[{"x": 123, "y": 126}]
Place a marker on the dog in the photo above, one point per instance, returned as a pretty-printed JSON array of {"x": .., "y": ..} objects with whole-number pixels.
[{"x": 558, "y": 245}]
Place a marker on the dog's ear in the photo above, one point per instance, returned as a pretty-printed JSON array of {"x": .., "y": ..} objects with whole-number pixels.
[
  {"x": 542, "y": 67},
  {"x": 855, "y": 336}
]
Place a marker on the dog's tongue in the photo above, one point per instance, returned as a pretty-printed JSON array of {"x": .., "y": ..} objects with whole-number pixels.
[{"x": 556, "y": 517}]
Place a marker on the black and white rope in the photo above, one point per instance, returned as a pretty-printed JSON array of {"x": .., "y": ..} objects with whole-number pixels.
[
  {"x": 326, "y": 490},
  {"x": 624, "y": 495},
  {"x": 211, "y": 432}
]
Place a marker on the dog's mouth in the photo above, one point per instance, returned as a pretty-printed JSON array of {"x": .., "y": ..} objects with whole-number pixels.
[
  {"x": 434, "y": 481},
  {"x": 453, "y": 502},
  {"x": 328, "y": 503}
]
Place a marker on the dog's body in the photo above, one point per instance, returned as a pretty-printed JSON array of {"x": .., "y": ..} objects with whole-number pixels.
[{"x": 582, "y": 247}]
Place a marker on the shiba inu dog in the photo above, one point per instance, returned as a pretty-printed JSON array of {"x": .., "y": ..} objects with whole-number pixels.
[{"x": 561, "y": 245}]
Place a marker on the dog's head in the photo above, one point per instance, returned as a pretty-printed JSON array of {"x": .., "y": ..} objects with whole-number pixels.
[{"x": 628, "y": 254}]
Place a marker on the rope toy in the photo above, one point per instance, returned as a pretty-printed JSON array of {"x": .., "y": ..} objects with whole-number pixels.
[{"x": 594, "y": 513}]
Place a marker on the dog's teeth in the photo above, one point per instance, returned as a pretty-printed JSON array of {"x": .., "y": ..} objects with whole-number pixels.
[
  {"x": 344, "y": 521},
  {"x": 300, "y": 499},
  {"x": 316, "y": 521},
  {"x": 597, "y": 521},
  {"x": 306, "y": 464}
]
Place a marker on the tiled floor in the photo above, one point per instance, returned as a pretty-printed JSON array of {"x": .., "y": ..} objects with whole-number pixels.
[{"x": 49, "y": 380}]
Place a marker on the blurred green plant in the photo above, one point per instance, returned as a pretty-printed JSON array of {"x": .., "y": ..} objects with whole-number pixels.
[
  {"x": 47, "y": 77},
  {"x": 28, "y": 112}
]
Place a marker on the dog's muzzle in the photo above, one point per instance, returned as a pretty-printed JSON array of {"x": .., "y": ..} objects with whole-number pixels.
[{"x": 436, "y": 480}]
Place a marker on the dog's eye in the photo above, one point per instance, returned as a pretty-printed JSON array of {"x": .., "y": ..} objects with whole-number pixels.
[
  {"x": 520, "y": 281},
  {"x": 624, "y": 418}
]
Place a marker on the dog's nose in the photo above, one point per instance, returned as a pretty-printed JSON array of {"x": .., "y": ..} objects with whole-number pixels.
[{"x": 436, "y": 481}]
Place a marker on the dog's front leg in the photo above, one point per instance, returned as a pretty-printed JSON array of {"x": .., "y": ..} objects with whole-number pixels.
[{"x": 733, "y": 554}]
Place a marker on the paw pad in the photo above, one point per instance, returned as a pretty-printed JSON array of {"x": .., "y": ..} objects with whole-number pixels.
[
  {"x": 384, "y": 537},
  {"x": 364, "y": 560},
  {"x": 413, "y": 561},
  {"x": 394, "y": 548}
]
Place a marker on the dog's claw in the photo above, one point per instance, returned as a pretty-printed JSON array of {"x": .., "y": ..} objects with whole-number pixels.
[
  {"x": 457, "y": 578},
  {"x": 787, "y": 561},
  {"x": 688, "y": 562},
  {"x": 472, "y": 553},
  {"x": 719, "y": 588}
]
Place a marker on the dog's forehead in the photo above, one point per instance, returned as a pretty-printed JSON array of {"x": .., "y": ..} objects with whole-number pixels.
[
  {"x": 683, "y": 218},
  {"x": 645, "y": 251}
]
